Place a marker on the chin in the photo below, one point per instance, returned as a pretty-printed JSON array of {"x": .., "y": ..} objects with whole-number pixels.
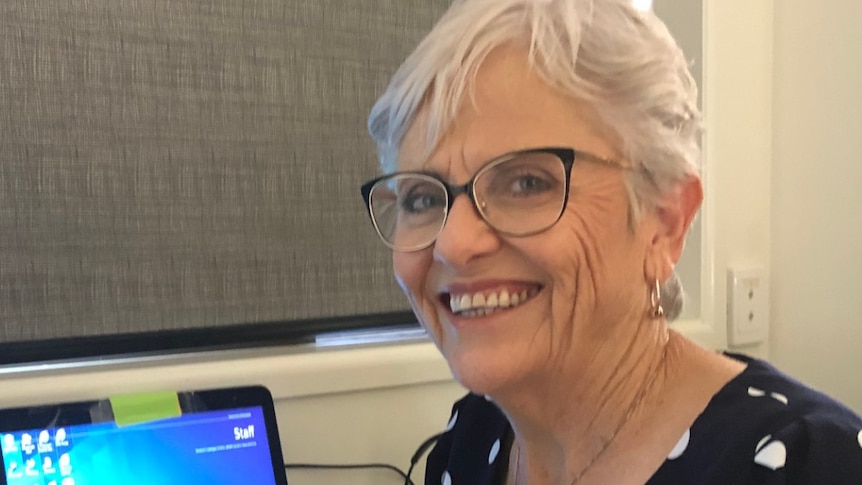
[{"x": 481, "y": 371}]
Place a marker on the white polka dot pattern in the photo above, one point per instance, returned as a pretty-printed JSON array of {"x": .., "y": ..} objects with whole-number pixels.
[
  {"x": 447, "y": 479},
  {"x": 755, "y": 392},
  {"x": 452, "y": 421},
  {"x": 773, "y": 455},
  {"x": 762, "y": 442},
  {"x": 753, "y": 404},
  {"x": 681, "y": 446},
  {"x": 779, "y": 397},
  {"x": 495, "y": 450}
]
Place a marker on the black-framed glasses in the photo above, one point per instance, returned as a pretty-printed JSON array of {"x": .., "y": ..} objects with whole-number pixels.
[{"x": 518, "y": 194}]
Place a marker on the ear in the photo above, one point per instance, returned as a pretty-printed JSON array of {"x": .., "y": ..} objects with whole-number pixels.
[{"x": 673, "y": 216}]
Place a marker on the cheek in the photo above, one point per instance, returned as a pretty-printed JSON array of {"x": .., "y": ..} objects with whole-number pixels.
[
  {"x": 591, "y": 240},
  {"x": 598, "y": 224},
  {"x": 610, "y": 257},
  {"x": 411, "y": 273},
  {"x": 411, "y": 270}
]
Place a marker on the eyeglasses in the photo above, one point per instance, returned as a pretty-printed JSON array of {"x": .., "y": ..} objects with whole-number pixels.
[{"x": 518, "y": 194}]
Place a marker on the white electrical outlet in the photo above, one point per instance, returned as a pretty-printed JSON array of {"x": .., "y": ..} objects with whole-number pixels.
[{"x": 747, "y": 306}]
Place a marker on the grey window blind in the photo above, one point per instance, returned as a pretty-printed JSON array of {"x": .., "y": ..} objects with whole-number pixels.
[{"x": 172, "y": 164}]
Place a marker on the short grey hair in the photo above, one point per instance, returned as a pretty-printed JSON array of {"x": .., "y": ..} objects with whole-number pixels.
[{"x": 620, "y": 60}]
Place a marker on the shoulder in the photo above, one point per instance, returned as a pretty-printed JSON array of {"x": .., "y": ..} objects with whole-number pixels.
[
  {"x": 766, "y": 427},
  {"x": 812, "y": 437},
  {"x": 473, "y": 446}
]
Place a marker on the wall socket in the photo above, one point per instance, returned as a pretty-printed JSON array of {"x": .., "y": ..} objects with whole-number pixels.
[{"x": 747, "y": 306}]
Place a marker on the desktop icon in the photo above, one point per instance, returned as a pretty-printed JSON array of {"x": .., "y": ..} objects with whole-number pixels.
[
  {"x": 30, "y": 468},
  {"x": 45, "y": 445},
  {"x": 60, "y": 438},
  {"x": 27, "y": 443},
  {"x": 48, "y": 466},
  {"x": 65, "y": 465},
  {"x": 9, "y": 444},
  {"x": 14, "y": 470}
]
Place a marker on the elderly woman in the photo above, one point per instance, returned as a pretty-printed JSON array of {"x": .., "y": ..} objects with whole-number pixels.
[{"x": 541, "y": 160}]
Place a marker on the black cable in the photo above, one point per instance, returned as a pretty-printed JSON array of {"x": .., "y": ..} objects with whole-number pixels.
[{"x": 418, "y": 455}]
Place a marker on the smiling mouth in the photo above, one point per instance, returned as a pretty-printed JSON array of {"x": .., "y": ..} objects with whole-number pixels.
[{"x": 483, "y": 303}]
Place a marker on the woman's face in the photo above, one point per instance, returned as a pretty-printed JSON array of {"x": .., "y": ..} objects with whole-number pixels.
[{"x": 584, "y": 278}]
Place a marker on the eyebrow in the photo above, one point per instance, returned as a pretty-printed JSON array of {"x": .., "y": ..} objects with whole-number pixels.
[{"x": 423, "y": 167}]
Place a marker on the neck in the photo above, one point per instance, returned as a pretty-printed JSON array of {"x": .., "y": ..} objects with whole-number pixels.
[{"x": 568, "y": 420}]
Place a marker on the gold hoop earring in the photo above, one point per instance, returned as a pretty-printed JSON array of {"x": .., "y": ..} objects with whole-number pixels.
[{"x": 656, "y": 309}]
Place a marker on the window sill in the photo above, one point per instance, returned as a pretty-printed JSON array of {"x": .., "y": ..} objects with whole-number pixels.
[{"x": 288, "y": 372}]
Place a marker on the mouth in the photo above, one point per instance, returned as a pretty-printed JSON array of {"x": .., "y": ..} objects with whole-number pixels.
[{"x": 482, "y": 303}]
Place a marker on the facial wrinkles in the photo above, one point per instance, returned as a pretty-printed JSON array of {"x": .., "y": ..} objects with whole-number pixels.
[
  {"x": 452, "y": 167},
  {"x": 597, "y": 212},
  {"x": 585, "y": 231},
  {"x": 539, "y": 330},
  {"x": 584, "y": 294},
  {"x": 448, "y": 159},
  {"x": 611, "y": 270},
  {"x": 623, "y": 306},
  {"x": 606, "y": 386},
  {"x": 451, "y": 156}
]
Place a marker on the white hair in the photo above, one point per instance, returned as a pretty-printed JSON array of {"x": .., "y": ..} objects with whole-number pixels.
[{"x": 621, "y": 60}]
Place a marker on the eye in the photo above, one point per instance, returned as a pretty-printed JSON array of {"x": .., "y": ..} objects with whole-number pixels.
[
  {"x": 421, "y": 198},
  {"x": 529, "y": 183},
  {"x": 520, "y": 182}
]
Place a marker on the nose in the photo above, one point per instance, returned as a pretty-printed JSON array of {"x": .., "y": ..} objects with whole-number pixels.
[{"x": 465, "y": 236}]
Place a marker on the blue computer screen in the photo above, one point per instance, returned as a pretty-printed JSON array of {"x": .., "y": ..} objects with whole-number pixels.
[{"x": 227, "y": 447}]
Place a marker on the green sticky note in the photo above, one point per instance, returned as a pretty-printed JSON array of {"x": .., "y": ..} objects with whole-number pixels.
[{"x": 145, "y": 406}]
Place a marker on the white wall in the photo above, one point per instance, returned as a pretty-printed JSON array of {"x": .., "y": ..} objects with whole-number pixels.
[
  {"x": 817, "y": 195},
  {"x": 738, "y": 149},
  {"x": 783, "y": 168}
]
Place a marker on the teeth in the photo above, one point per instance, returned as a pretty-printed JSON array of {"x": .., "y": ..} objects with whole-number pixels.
[
  {"x": 504, "y": 299},
  {"x": 460, "y": 304},
  {"x": 479, "y": 304}
]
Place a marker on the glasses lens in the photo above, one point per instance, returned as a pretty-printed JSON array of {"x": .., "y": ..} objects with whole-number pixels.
[
  {"x": 408, "y": 210},
  {"x": 524, "y": 194}
]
